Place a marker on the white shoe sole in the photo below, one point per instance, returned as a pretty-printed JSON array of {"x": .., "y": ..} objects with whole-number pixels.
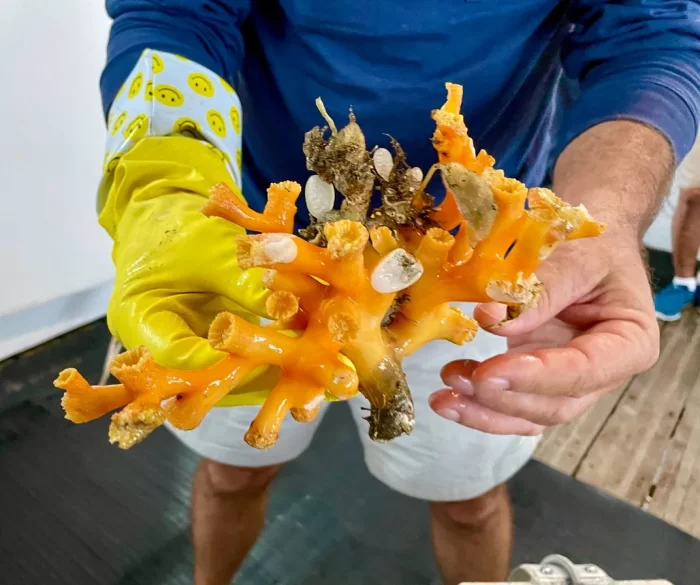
[{"x": 668, "y": 318}]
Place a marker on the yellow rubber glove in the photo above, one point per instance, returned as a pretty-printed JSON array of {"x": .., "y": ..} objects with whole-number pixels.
[{"x": 175, "y": 268}]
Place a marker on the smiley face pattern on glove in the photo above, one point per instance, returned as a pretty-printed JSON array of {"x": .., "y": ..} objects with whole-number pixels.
[{"x": 166, "y": 95}]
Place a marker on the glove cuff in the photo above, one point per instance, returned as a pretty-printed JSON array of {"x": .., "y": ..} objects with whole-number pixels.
[{"x": 168, "y": 95}]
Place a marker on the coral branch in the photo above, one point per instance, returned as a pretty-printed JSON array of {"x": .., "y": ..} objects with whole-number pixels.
[
  {"x": 282, "y": 305},
  {"x": 289, "y": 394},
  {"x": 307, "y": 413},
  {"x": 346, "y": 238},
  {"x": 186, "y": 410},
  {"x": 145, "y": 387},
  {"x": 278, "y": 215},
  {"x": 443, "y": 322},
  {"x": 383, "y": 241},
  {"x": 361, "y": 290},
  {"x": 83, "y": 402},
  {"x": 434, "y": 249},
  {"x": 451, "y": 139},
  {"x": 233, "y": 334},
  {"x": 341, "y": 263},
  {"x": 463, "y": 250},
  {"x": 309, "y": 291},
  {"x": 447, "y": 215}
]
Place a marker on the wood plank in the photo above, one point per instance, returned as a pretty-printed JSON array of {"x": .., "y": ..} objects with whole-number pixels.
[
  {"x": 564, "y": 446},
  {"x": 629, "y": 450},
  {"x": 675, "y": 497}
]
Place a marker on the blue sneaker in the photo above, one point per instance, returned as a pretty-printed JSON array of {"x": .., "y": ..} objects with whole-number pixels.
[{"x": 670, "y": 301}]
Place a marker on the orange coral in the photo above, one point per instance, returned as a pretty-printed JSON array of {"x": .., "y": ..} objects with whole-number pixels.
[
  {"x": 278, "y": 215},
  {"x": 372, "y": 290}
]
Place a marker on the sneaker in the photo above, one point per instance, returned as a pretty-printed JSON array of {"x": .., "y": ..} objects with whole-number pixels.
[{"x": 670, "y": 301}]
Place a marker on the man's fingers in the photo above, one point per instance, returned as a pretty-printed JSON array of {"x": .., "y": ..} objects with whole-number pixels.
[
  {"x": 173, "y": 327},
  {"x": 541, "y": 410},
  {"x": 462, "y": 410},
  {"x": 606, "y": 355},
  {"x": 174, "y": 344},
  {"x": 458, "y": 376}
]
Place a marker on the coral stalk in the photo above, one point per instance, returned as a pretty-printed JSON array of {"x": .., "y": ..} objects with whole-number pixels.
[{"x": 278, "y": 215}]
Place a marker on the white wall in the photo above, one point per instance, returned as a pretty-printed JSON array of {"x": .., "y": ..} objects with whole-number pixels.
[{"x": 51, "y": 247}]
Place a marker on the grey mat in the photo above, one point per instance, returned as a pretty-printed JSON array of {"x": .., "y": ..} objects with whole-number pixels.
[{"x": 77, "y": 511}]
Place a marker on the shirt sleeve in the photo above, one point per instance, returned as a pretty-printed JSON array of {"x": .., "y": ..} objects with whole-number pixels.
[
  {"x": 207, "y": 32},
  {"x": 635, "y": 61}
]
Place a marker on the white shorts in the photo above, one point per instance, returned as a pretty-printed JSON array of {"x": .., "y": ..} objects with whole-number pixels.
[
  {"x": 688, "y": 173},
  {"x": 440, "y": 461}
]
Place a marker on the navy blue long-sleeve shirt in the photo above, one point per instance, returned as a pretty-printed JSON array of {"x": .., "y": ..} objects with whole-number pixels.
[{"x": 389, "y": 59}]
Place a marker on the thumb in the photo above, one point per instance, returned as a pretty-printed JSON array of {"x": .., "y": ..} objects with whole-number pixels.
[
  {"x": 565, "y": 280},
  {"x": 171, "y": 340},
  {"x": 494, "y": 316},
  {"x": 173, "y": 326}
]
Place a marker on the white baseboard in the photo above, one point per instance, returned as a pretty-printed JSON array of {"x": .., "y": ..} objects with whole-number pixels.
[{"x": 30, "y": 327}]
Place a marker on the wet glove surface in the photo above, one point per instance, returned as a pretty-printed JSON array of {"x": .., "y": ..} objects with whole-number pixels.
[{"x": 175, "y": 268}]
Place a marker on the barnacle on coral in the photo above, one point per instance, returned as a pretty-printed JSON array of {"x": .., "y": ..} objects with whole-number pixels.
[{"x": 358, "y": 292}]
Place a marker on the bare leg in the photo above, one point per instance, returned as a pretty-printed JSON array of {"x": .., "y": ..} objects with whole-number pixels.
[
  {"x": 473, "y": 539},
  {"x": 686, "y": 233},
  {"x": 228, "y": 513}
]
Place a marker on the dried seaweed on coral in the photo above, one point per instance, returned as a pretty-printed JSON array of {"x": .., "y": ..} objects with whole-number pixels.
[{"x": 343, "y": 160}]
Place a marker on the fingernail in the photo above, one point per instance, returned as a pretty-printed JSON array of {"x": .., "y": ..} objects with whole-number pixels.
[
  {"x": 449, "y": 414},
  {"x": 461, "y": 384},
  {"x": 494, "y": 384},
  {"x": 490, "y": 312},
  {"x": 495, "y": 312}
]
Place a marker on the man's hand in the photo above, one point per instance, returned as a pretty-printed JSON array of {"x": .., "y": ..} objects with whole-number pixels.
[
  {"x": 594, "y": 327},
  {"x": 595, "y": 324},
  {"x": 176, "y": 269}
]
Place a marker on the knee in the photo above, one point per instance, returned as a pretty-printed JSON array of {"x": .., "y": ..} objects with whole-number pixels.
[
  {"x": 222, "y": 479},
  {"x": 690, "y": 196},
  {"x": 473, "y": 514}
]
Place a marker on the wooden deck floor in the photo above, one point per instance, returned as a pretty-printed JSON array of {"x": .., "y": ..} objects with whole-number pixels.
[{"x": 642, "y": 442}]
